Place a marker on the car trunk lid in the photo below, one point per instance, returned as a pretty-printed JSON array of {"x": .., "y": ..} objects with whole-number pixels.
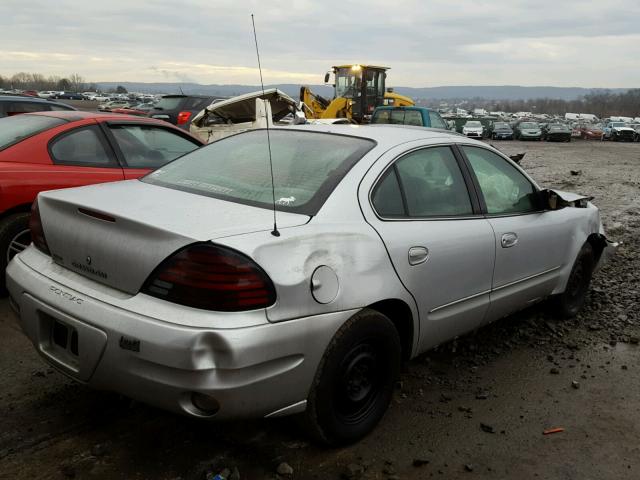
[{"x": 118, "y": 233}]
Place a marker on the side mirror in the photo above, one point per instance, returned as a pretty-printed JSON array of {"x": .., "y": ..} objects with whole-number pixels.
[
  {"x": 517, "y": 157},
  {"x": 326, "y": 77}
]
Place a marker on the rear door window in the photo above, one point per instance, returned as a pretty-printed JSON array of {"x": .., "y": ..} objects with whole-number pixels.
[
  {"x": 387, "y": 197},
  {"x": 433, "y": 183},
  {"x": 85, "y": 147},
  {"x": 424, "y": 183},
  {"x": 147, "y": 146}
]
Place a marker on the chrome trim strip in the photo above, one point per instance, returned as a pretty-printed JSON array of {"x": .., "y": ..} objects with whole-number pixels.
[
  {"x": 297, "y": 407},
  {"x": 459, "y": 301},
  {"x": 470, "y": 297},
  {"x": 526, "y": 278}
]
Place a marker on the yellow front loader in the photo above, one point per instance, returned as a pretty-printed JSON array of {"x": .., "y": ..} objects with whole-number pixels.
[{"x": 358, "y": 90}]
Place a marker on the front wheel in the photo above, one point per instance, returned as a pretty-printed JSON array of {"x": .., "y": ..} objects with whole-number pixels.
[
  {"x": 14, "y": 237},
  {"x": 569, "y": 302},
  {"x": 354, "y": 383}
]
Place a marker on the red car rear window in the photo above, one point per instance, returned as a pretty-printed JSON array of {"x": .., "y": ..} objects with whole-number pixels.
[{"x": 18, "y": 127}]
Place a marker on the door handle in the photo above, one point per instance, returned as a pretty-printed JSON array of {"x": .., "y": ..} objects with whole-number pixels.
[
  {"x": 509, "y": 240},
  {"x": 418, "y": 255}
]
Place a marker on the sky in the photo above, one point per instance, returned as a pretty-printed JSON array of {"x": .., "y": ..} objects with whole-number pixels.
[{"x": 426, "y": 43}]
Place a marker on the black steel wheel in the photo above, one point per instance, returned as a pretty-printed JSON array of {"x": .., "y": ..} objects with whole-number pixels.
[
  {"x": 354, "y": 383},
  {"x": 569, "y": 302},
  {"x": 14, "y": 237}
]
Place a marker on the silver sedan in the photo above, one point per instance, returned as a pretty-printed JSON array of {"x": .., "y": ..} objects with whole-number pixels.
[{"x": 180, "y": 291}]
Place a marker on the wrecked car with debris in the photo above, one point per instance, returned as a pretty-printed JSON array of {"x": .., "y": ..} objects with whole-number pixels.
[{"x": 259, "y": 109}]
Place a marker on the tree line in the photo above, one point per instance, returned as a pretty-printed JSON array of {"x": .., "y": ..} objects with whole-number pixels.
[
  {"x": 602, "y": 103},
  {"x": 37, "y": 81}
]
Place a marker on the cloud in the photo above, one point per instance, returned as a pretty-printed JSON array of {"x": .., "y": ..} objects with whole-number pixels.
[{"x": 426, "y": 42}]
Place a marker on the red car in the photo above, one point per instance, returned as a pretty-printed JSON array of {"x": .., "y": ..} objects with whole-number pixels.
[
  {"x": 51, "y": 150},
  {"x": 132, "y": 111}
]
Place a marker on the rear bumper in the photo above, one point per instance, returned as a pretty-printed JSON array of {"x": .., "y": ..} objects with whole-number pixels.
[
  {"x": 503, "y": 136},
  {"x": 255, "y": 371}
]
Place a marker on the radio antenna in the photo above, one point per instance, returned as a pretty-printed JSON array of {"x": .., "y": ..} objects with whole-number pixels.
[{"x": 275, "y": 231}]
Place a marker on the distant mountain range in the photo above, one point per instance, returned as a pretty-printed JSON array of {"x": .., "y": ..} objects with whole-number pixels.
[{"x": 498, "y": 92}]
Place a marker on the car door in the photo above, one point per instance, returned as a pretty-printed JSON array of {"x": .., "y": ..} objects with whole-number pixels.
[
  {"x": 440, "y": 245},
  {"x": 143, "y": 147},
  {"x": 82, "y": 156},
  {"x": 531, "y": 244}
]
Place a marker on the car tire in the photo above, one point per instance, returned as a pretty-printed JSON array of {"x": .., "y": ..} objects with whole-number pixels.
[
  {"x": 355, "y": 380},
  {"x": 569, "y": 302},
  {"x": 14, "y": 233}
]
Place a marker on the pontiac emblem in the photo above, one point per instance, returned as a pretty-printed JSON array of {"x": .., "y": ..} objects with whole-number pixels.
[{"x": 88, "y": 260}]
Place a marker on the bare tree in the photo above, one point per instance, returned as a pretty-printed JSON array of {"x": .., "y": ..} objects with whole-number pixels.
[
  {"x": 64, "y": 84},
  {"x": 76, "y": 82}
]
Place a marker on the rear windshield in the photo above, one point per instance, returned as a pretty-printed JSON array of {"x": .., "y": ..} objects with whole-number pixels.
[
  {"x": 13, "y": 129},
  {"x": 307, "y": 166},
  {"x": 168, "y": 103}
]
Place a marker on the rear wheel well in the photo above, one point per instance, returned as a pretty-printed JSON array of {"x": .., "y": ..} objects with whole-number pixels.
[
  {"x": 400, "y": 315},
  {"x": 25, "y": 207}
]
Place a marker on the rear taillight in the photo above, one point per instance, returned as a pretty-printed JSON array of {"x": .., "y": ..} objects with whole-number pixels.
[
  {"x": 37, "y": 232},
  {"x": 183, "y": 117},
  {"x": 212, "y": 278}
]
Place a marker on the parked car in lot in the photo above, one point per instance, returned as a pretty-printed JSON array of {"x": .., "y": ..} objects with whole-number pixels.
[
  {"x": 252, "y": 110},
  {"x": 618, "y": 132},
  {"x": 636, "y": 128},
  {"x": 416, "y": 116},
  {"x": 178, "y": 289},
  {"x": 11, "y": 105},
  {"x": 501, "y": 131},
  {"x": 52, "y": 150},
  {"x": 46, "y": 93},
  {"x": 180, "y": 109},
  {"x": 109, "y": 106},
  {"x": 527, "y": 131},
  {"x": 139, "y": 109},
  {"x": 590, "y": 132},
  {"x": 67, "y": 95},
  {"x": 556, "y": 132},
  {"x": 474, "y": 129}
]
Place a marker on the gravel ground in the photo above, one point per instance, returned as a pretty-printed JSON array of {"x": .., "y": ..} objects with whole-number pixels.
[{"x": 475, "y": 408}]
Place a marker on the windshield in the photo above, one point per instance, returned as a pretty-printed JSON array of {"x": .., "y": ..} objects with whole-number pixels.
[
  {"x": 557, "y": 127},
  {"x": 528, "y": 125},
  {"x": 618, "y": 124},
  {"x": 347, "y": 83},
  {"x": 473, "y": 124},
  {"x": 15, "y": 128},
  {"x": 306, "y": 168}
]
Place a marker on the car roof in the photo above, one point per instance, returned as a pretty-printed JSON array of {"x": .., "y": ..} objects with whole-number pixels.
[
  {"x": 26, "y": 98},
  {"x": 75, "y": 115},
  {"x": 384, "y": 133}
]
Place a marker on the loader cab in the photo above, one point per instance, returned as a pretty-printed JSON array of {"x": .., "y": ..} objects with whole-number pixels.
[{"x": 362, "y": 84}]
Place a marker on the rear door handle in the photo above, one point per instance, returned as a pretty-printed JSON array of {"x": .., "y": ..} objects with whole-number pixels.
[
  {"x": 509, "y": 240},
  {"x": 418, "y": 255}
]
